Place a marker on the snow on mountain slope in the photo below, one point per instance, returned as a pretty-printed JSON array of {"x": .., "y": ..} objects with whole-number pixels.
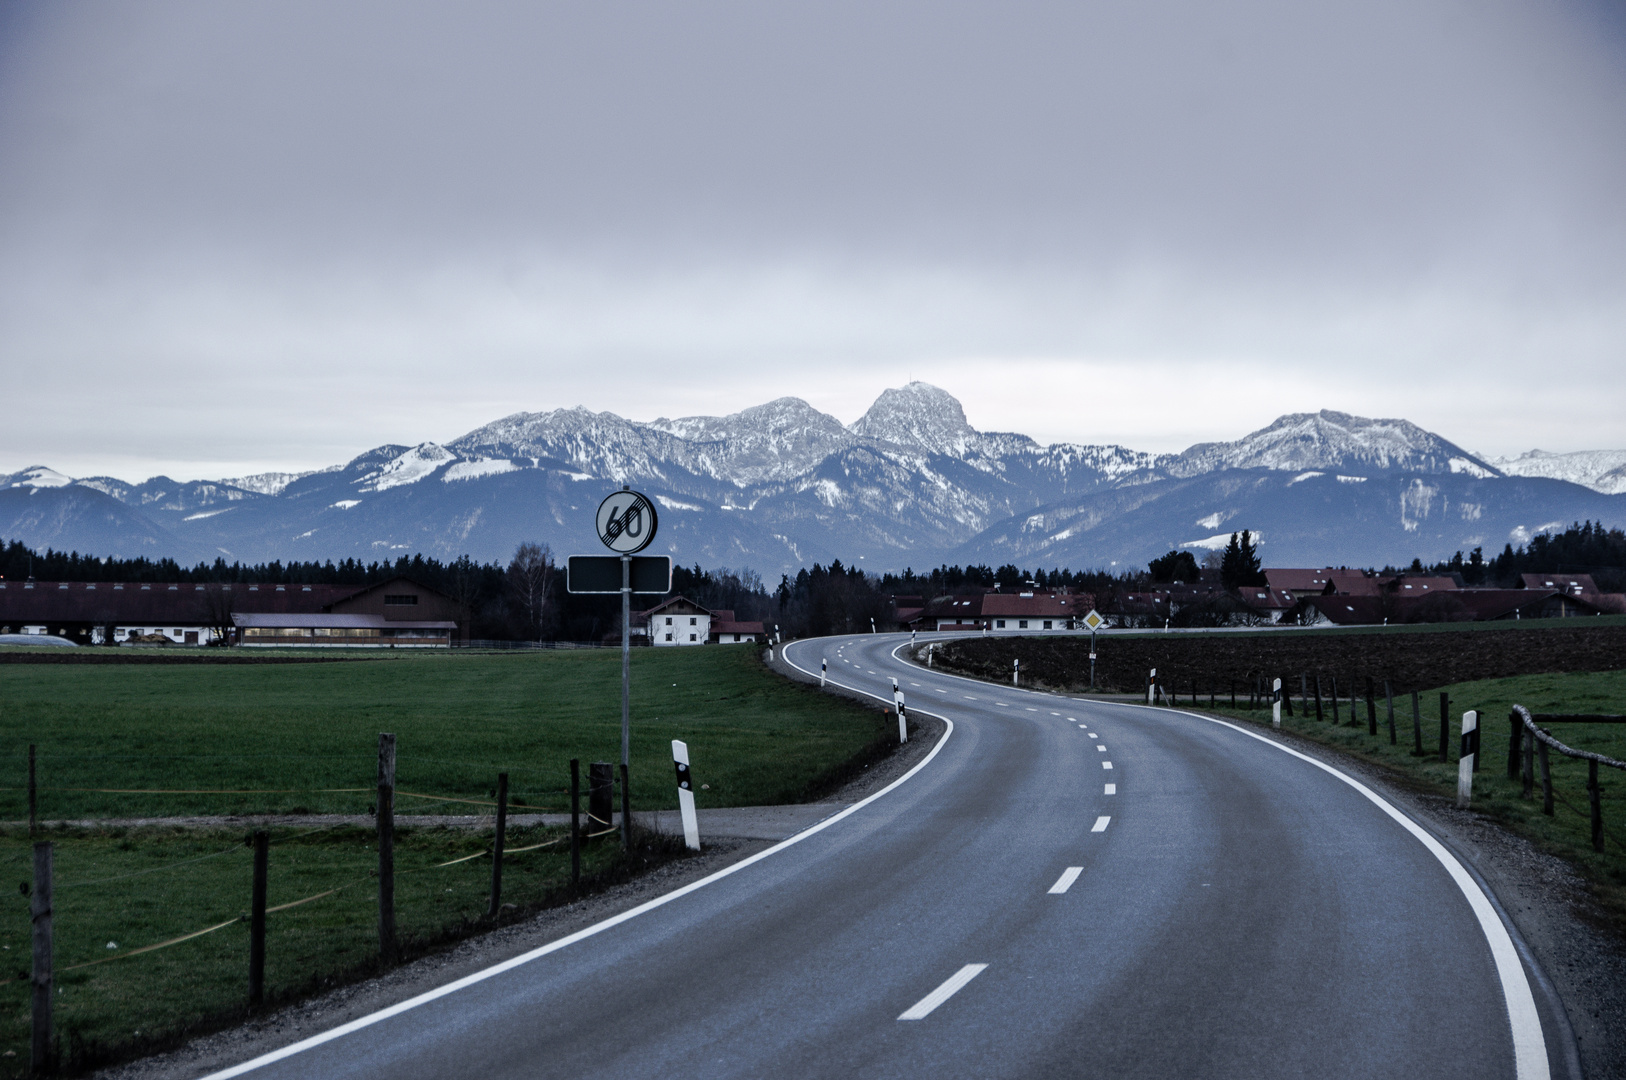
[
  {"x": 920, "y": 415},
  {"x": 269, "y": 483},
  {"x": 35, "y": 476},
  {"x": 408, "y": 468},
  {"x": 1600, "y": 470},
  {"x": 1331, "y": 440}
]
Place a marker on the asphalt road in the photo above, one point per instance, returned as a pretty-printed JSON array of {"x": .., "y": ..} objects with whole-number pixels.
[{"x": 1062, "y": 889}]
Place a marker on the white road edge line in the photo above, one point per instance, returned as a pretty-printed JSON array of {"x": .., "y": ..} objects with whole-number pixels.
[
  {"x": 955, "y": 983},
  {"x": 1529, "y": 1043},
  {"x": 1065, "y": 882},
  {"x": 1100, "y": 824},
  {"x": 598, "y": 927}
]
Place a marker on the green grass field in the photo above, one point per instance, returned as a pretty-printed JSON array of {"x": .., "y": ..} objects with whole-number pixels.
[
  {"x": 1568, "y": 833},
  {"x": 285, "y": 733},
  {"x": 279, "y": 733}
]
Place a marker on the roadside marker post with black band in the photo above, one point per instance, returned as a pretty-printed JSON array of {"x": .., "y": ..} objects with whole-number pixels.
[
  {"x": 1276, "y": 704},
  {"x": 1016, "y": 672},
  {"x": 626, "y": 522},
  {"x": 1151, "y": 686},
  {"x": 1468, "y": 754},
  {"x": 824, "y": 671},
  {"x": 685, "y": 783},
  {"x": 903, "y": 715}
]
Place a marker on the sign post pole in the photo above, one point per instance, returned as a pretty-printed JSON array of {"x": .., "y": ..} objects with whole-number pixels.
[{"x": 626, "y": 699}]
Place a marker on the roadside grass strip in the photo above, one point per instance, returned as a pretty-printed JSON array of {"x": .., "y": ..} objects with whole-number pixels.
[{"x": 951, "y": 986}]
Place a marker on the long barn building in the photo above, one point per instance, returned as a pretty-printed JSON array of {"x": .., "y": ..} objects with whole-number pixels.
[{"x": 397, "y": 613}]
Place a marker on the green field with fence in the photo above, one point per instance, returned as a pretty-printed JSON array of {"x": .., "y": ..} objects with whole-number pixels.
[
  {"x": 140, "y": 741},
  {"x": 137, "y": 740},
  {"x": 1568, "y": 831}
]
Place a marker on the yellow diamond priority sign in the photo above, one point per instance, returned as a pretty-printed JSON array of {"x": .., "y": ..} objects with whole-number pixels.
[{"x": 1093, "y": 620}]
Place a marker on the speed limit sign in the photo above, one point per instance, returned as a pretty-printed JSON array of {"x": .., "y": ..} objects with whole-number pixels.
[{"x": 626, "y": 522}]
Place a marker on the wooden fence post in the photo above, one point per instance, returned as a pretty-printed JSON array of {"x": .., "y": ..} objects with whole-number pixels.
[
  {"x": 1371, "y": 709},
  {"x": 1515, "y": 738},
  {"x": 1546, "y": 780},
  {"x": 1445, "y": 727},
  {"x": 386, "y": 848},
  {"x": 256, "y": 918},
  {"x": 1389, "y": 696},
  {"x": 33, "y": 792},
  {"x": 497, "y": 844},
  {"x": 1334, "y": 695},
  {"x": 1318, "y": 696},
  {"x": 575, "y": 822},
  {"x": 1417, "y": 724},
  {"x": 39, "y": 906},
  {"x": 1528, "y": 769},
  {"x": 1595, "y": 797},
  {"x": 1304, "y": 695}
]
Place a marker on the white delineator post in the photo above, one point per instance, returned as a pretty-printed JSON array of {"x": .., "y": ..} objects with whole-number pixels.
[
  {"x": 1151, "y": 685},
  {"x": 1016, "y": 672},
  {"x": 1276, "y": 704},
  {"x": 824, "y": 669},
  {"x": 1465, "y": 764},
  {"x": 691, "y": 822},
  {"x": 903, "y": 714}
]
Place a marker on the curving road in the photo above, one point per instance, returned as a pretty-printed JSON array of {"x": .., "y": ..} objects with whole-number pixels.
[{"x": 1062, "y": 889}]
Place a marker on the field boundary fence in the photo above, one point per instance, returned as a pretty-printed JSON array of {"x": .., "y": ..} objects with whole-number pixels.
[
  {"x": 1529, "y": 742},
  {"x": 582, "y": 830}
]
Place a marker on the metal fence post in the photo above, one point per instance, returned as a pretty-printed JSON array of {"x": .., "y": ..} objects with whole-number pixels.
[
  {"x": 386, "y": 848},
  {"x": 256, "y": 919},
  {"x": 39, "y": 907}
]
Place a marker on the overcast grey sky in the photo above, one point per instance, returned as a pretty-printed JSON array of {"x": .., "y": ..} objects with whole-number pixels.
[{"x": 238, "y": 237}]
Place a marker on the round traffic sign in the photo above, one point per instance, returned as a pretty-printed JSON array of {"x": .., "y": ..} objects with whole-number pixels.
[{"x": 626, "y": 522}]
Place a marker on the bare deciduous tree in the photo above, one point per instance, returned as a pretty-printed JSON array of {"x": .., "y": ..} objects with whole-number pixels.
[{"x": 530, "y": 576}]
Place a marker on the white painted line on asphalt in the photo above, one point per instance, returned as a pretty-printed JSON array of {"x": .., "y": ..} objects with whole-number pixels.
[
  {"x": 1032, "y": 709},
  {"x": 955, "y": 983},
  {"x": 1072, "y": 719},
  {"x": 1055, "y": 714},
  {"x": 1529, "y": 1044},
  {"x": 1100, "y": 824},
  {"x": 1065, "y": 882},
  {"x": 1106, "y": 764},
  {"x": 1101, "y": 748},
  {"x": 597, "y": 928},
  {"x": 1002, "y": 705},
  {"x": 1092, "y": 734},
  {"x": 1112, "y": 789}
]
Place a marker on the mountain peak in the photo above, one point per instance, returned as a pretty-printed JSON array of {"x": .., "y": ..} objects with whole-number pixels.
[
  {"x": 1331, "y": 440},
  {"x": 918, "y": 415}
]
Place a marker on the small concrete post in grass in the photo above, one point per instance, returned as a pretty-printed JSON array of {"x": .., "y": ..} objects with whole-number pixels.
[
  {"x": 386, "y": 848},
  {"x": 39, "y": 908},
  {"x": 1276, "y": 704},
  {"x": 1465, "y": 757},
  {"x": 497, "y": 844},
  {"x": 685, "y": 783},
  {"x": 256, "y": 919}
]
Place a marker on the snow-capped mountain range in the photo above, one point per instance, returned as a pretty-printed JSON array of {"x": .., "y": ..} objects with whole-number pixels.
[{"x": 781, "y": 485}]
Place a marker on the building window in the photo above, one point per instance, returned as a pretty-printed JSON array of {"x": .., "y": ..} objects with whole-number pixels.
[
  {"x": 692, "y": 622},
  {"x": 405, "y": 600},
  {"x": 1047, "y": 624},
  {"x": 1022, "y": 625},
  {"x": 691, "y": 637},
  {"x": 668, "y": 636},
  {"x": 999, "y": 624},
  {"x": 669, "y": 623}
]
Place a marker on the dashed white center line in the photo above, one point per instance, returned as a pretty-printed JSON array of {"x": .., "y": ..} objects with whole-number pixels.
[
  {"x": 1100, "y": 824},
  {"x": 939, "y": 689},
  {"x": 1055, "y": 714},
  {"x": 1002, "y": 705},
  {"x": 955, "y": 983},
  {"x": 1106, "y": 764},
  {"x": 1032, "y": 709},
  {"x": 1072, "y": 719},
  {"x": 914, "y": 684},
  {"x": 968, "y": 697},
  {"x": 1112, "y": 789},
  {"x": 1093, "y": 735},
  {"x": 1101, "y": 748},
  {"x": 1066, "y": 880}
]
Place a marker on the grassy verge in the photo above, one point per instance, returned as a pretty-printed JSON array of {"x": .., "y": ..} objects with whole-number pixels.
[
  {"x": 282, "y": 733},
  {"x": 119, "y": 890},
  {"x": 1568, "y": 833}
]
